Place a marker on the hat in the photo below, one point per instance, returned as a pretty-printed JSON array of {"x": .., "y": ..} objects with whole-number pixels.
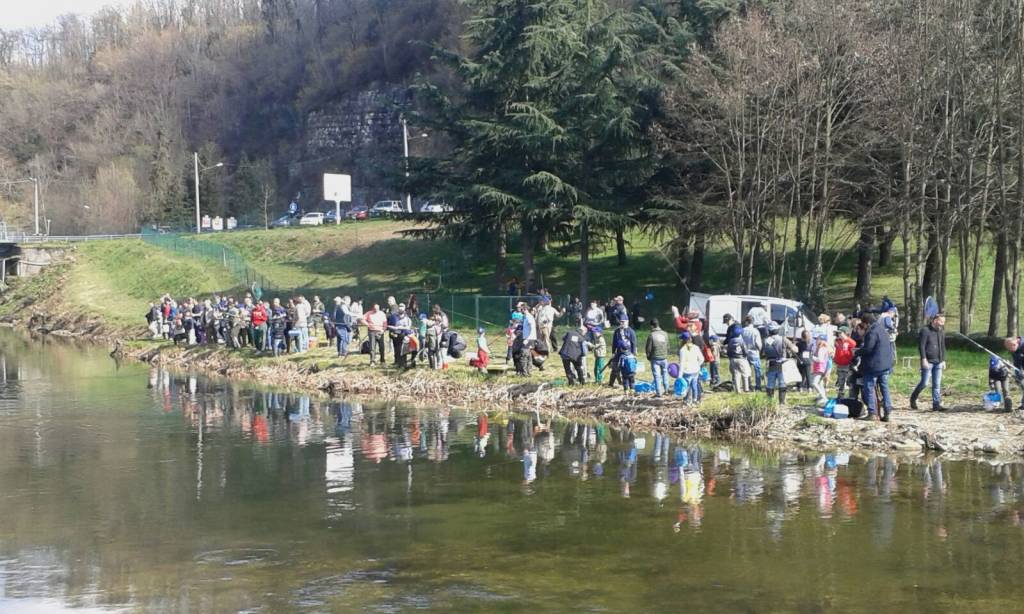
[
  {"x": 773, "y": 327},
  {"x": 727, "y": 317},
  {"x": 423, "y": 316},
  {"x": 844, "y": 329},
  {"x": 715, "y": 337},
  {"x": 517, "y": 315},
  {"x": 624, "y": 320},
  {"x": 480, "y": 331},
  {"x": 684, "y": 336}
]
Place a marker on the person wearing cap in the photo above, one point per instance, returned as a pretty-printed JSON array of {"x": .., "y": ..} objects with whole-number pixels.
[
  {"x": 877, "y": 358},
  {"x": 690, "y": 360},
  {"x": 573, "y": 351},
  {"x": 931, "y": 347},
  {"x": 657, "y": 354},
  {"x": 343, "y": 320},
  {"x": 483, "y": 353},
  {"x": 546, "y": 314},
  {"x": 733, "y": 328},
  {"x": 399, "y": 327},
  {"x": 526, "y": 339},
  {"x": 618, "y": 311},
  {"x": 752, "y": 338},
  {"x": 595, "y": 338},
  {"x": 777, "y": 348},
  {"x": 623, "y": 343}
]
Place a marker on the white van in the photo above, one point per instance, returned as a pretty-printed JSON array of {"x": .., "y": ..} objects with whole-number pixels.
[{"x": 790, "y": 315}]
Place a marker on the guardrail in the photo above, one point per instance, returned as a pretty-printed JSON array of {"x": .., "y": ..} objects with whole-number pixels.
[{"x": 24, "y": 238}]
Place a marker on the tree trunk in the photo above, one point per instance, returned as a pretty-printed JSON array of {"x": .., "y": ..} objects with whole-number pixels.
[
  {"x": 620, "y": 246},
  {"x": 932, "y": 266},
  {"x": 501, "y": 261},
  {"x": 584, "y": 262},
  {"x": 885, "y": 241},
  {"x": 1012, "y": 285},
  {"x": 697, "y": 264},
  {"x": 529, "y": 245},
  {"x": 865, "y": 255},
  {"x": 683, "y": 263},
  {"x": 998, "y": 274}
]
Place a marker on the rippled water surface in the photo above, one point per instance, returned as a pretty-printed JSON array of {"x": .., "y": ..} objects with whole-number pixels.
[{"x": 128, "y": 488}]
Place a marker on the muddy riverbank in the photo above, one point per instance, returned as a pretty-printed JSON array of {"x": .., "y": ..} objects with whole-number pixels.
[{"x": 965, "y": 430}]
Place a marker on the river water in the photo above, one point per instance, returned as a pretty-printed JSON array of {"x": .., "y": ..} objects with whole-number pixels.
[{"x": 130, "y": 488}]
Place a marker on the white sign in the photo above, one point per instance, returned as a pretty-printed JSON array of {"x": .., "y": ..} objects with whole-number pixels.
[
  {"x": 206, "y": 221},
  {"x": 232, "y": 223},
  {"x": 218, "y": 223},
  {"x": 338, "y": 188}
]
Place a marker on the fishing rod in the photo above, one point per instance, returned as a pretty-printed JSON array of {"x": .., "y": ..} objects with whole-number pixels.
[{"x": 1017, "y": 373}]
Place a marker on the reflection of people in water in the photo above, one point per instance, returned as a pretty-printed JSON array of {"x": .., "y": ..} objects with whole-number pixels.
[
  {"x": 529, "y": 464},
  {"x": 483, "y": 435},
  {"x": 627, "y": 471}
]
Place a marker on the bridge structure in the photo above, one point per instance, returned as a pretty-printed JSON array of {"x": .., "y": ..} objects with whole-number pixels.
[{"x": 25, "y": 255}]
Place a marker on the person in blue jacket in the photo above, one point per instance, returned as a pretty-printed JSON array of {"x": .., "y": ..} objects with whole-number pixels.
[{"x": 877, "y": 360}]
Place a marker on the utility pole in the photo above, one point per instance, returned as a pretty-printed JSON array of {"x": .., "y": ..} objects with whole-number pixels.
[
  {"x": 405, "y": 146},
  {"x": 35, "y": 200},
  {"x": 196, "y": 164}
]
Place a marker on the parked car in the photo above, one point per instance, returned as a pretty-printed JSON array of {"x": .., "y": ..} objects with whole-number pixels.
[
  {"x": 383, "y": 208},
  {"x": 283, "y": 222},
  {"x": 435, "y": 208},
  {"x": 358, "y": 212},
  {"x": 330, "y": 216},
  {"x": 313, "y": 218}
]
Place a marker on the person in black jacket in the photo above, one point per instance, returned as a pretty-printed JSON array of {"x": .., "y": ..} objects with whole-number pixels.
[
  {"x": 931, "y": 347},
  {"x": 573, "y": 350},
  {"x": 877, "y": 360}
]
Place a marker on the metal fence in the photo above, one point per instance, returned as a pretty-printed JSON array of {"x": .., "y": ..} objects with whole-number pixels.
[
  {"x": 465, "y": 310},
  {"x": 215, "y": 253}
]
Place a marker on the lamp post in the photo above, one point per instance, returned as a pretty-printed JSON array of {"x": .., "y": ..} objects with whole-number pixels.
[
  {"x": 35, "y": 200},
  {"x": 195, "y": 158},
  {"x": 405, "y": 147}
]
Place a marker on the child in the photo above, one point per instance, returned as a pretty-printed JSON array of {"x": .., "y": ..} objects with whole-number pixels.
[
  {"x": 483, "y": 353},
  {"x": 712, "y": 352},
  {"x": 819, "y": 367},
  {"x": 690, "y": 360},
  {"x": 843, "y": 357},
  {"x": 997, "y": 376},
  {"x": 600, "y": 348}
]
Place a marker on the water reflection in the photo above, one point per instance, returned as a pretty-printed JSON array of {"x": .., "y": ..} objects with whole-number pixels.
[{"x": 109, "y": 489}]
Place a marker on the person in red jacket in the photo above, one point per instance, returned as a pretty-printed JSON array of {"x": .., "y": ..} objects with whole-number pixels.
[
  {"x": 258, "y": 322},
  {"x": 844, "y": 347}
]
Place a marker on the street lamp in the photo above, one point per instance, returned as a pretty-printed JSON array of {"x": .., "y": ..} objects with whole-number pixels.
[
  {"x": 405, "y": 146},
  {"x": 198, "y": 170}
]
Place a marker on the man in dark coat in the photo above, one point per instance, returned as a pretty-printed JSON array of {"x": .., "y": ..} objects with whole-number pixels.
[{"x": 877, "y": 359}]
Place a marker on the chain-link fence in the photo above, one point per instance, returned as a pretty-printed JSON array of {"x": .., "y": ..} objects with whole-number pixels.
[
  {"x": 215, "y": 253},
  {"x": 465, "y": 310}
]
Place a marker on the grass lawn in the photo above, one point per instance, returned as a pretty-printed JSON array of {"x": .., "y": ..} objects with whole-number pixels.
[{"x": 118, "y": 279}]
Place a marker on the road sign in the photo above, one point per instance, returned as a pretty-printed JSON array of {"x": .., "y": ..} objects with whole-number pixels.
[{"x": 339, "y": 189}]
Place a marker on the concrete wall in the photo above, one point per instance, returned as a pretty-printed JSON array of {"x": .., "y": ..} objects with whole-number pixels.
[{"x": 34, "y": 259}]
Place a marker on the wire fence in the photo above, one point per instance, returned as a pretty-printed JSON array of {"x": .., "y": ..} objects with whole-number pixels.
[
  {"x": 215, "y": 253},
  {"x": 465, "y": 310}
]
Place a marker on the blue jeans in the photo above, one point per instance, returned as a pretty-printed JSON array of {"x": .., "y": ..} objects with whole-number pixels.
[
  {"x": 344, "y": 337},
  {"x": 755, "y": 364},
  {"x": 693, "y": 391},
  {"x": 934, "y": 373},
  {"x": 660, "y": 368},
  {"x": 303, "y": 338},
  {"x": 774, "y": 380},
  {"x": 869, "y": 390}
]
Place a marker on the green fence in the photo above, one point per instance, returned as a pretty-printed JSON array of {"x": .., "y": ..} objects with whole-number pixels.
[
  {"x": 465, "y": 310},
  {"x": 214, "y": 253}
]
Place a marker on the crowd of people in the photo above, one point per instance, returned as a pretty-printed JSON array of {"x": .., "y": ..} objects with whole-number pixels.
[{"x": 849, "y": 358}]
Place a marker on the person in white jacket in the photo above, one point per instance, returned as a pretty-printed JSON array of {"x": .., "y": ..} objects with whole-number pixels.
[
  {"x": 690, "y": 360},
  {"x": 302, "y": 312}
]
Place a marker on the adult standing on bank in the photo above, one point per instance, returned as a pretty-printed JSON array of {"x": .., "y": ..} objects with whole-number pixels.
[
  {"x": 877, "y": 360},
  {"x": 657, "y": 355},
  {"x": 931, "y": 347}
]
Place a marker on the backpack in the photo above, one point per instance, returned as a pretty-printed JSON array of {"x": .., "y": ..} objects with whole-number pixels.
[
  {"x": 364, "y": 347},
  {"x": 773, "y": 350},
  {"x": 456, "y": 345},
  {"x": 627, "y": 364},
  {"x": 736, "y": 348}
]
